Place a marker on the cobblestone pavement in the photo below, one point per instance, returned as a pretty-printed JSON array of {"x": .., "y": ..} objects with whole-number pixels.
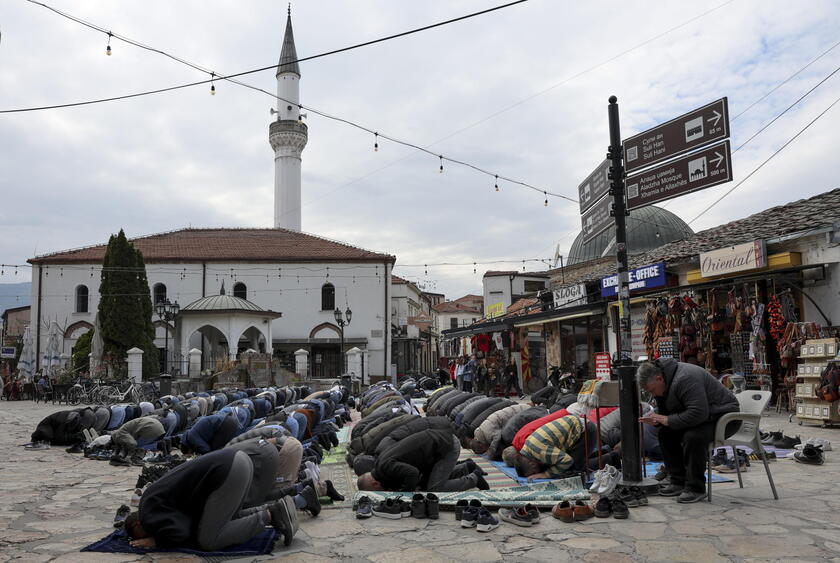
[{"x": 52, "y": 503}]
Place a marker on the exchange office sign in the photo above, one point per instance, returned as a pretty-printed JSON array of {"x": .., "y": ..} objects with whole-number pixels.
[
  {"x": 646, "y": 277},
  {"x": 738, "y": 258},
  {"x": 572, "y": 295}
]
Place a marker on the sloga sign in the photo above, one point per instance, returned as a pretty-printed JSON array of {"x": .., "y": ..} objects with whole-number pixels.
[{"x": 645, "y": 277}]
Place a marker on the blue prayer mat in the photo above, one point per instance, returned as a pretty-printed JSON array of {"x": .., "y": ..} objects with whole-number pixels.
[{"x": 117, "y": 542}]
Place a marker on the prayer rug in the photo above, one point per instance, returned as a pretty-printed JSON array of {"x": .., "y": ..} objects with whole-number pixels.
[
  {"x": 496, "y": 478},
  {"x": 117, "y": 542},
  {"x": 511, "y": 473},
  {"x": 334, "y": 468},
  {"x": 543, "y": 495}
]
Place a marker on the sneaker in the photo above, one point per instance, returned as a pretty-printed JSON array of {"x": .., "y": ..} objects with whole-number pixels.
[
  {"x": 405, "y": 508},
  {"x": 597, "y": 481},
  {"x": 603, "y": 508},
  {"x": 432, "y": 506},
  {"x": 563, "y": 511},
  {"x": 688, "y": 496},
  {"x": 418, "y": 506},
  {"x": 619, "y": 509},
  {"x": 661, "y": 474},
  {"x": 609, "y": 480},
  {"x": 729, "y": 466},
  {"x": 771, "y": 438},
  {"x": 626, "y": 496},
  {"x": 460, "y": 506},
  {"x": 671, "y": 490},
  {"x": 582, "y": 511},
  {"x": 517, "y": 516},
  {"x": 363, "y": 507},
  {"x": 75, "y": 449},
  {"x": 821, "y": 442},
  {"x": 284, "y": 518},
  {"x": 812, "y": 455},
  {"x": 486, "y": 522},
  {"x": 786, "y": 443},
  {"x": 469, "y": 516},
  {"x": 313, "y": 505},
  {"x": 641, "y": 497},
  {"x": 533, "y": 513},
  {"x": 388, "y": 508},
  {"x": 719, "y": 457},
  {"x": 122, "y": 513},
  {"x": 332, "y": 492},
  {"x": 119, "y": 461}
]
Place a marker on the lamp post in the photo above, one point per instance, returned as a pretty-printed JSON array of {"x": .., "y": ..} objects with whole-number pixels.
[
  {"x": 166, "y": 311},
  {"x": 342, "y": 322}
]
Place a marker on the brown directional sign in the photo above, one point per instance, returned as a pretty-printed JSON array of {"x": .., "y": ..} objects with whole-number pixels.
[
  {"x": 594, "y": 187},
  {"x": 596, "y": 219},
  {"x": 687, "y": 132},
  {"x": 696, "y": 171}
]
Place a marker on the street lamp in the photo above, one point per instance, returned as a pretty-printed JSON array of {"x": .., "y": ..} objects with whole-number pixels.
[
  {"x": 342, "y": 322},
  {"x": 166, "y": 311}
]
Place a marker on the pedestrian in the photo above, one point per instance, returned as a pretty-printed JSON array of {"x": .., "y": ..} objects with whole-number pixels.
[
  {"x": 468, "y": 374},
  {"x": 459, "y": 373},
  {"x": 511, "y": 379}
]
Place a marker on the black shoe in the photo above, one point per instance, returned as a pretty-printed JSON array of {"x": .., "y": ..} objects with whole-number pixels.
[
  {"x": 603, "y": 508},
  {"x": 333, "y": 438},
  {"x": 473, "y": 467},
  {"x": 671, "y": 490},
  {"x": 719, "y": 457},
  {"x": 119, "y": 461},
  {"x": 661, "y": 474},
  {"x": 332, "y": 492},
  {"x": 626, "y": 496},
  {"x": 388, "y": 508},
  {"x": 619, "y": 509},
  {"x": 313, "y": 505},
  {"x": 432, "y": 506},
  {"x": 418, "y": 506},
  {"x": 122, "y": 513},
  {"x": 460, "y": 506},
  {"x": 480, "y": 482},
  {"x": 641, "y": 497},
  {"x": 812, "y": 455},
  {"x": 688, "y": 496},
  {"x": 75, "y": 449},
  {"x": 284, "y": 518},
  {"x": 470, "y": 516},
  {"x": 364, "y": 508},
  {"x": 786, "y": 443},
  {"x": 772, "y": 438}
]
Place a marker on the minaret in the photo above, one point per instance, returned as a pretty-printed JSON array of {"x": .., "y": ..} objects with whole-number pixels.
[{"x": 288, "y": 136}]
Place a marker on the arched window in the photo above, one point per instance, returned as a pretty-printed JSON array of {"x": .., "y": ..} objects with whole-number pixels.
[
  {"x": 240, "y": 290},
  {"x": 82, "y": 299},
  {"x": 158, "y": 293},
  {"x": 327, "y": 297}
]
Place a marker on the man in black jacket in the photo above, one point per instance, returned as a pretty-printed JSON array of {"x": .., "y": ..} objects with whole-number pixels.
[
  {"x": 199, "y": 505},
  {"x": 689, "y": 401},
  {"x": 424, "y": 461}
]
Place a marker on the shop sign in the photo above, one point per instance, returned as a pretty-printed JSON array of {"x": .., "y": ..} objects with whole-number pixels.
[
  {"x": 7, "y": 352},
  {"x": 571, "y": 295},
  {"x": 738, "y": 258},
  {"x": 646, "y": 277},
  {"x": 494, "y": 310},
  {"x": 603, "y": 366}
]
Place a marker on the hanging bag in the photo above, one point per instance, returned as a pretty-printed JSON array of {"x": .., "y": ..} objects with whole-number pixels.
[{"x": 829, "y": 386}]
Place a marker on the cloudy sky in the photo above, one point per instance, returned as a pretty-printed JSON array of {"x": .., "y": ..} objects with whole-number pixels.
[{"x": 522, "y": 91}]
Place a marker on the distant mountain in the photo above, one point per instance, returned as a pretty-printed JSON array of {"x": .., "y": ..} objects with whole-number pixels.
[{"x": 15, "y": 295}]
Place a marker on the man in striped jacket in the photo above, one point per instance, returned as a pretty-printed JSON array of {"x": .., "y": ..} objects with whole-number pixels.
[{"x": 556, "y": 449}]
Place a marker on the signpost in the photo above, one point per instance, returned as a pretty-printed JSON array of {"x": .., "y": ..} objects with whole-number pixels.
[
  {"x": 684, "y": 133},
  {"x": 696, "y": 171},
  {"x": 596, "y": 219},
  {"x": 594, "y": 187}
]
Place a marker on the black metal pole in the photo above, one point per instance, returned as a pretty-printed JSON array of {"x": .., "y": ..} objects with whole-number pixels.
[
  {"x": 631, "y": 461},
  {"x": 341, "y": 350}
]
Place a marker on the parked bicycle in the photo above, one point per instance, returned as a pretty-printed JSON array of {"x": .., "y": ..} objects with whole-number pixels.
[
  {"x": 82, "y": 392},
  {"x": 134, "y": 393}
]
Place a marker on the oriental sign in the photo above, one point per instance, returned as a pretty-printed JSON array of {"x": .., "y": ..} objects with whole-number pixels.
[{"x": 738, "y": 258}]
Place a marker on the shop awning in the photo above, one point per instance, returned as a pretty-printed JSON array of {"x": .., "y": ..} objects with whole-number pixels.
[
  {"x": 482, "y": 328},
  {"x": 561, "y": 315}
]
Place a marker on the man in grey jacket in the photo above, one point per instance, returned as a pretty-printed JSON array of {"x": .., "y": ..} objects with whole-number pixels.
[{"x": 689, "y": 402}]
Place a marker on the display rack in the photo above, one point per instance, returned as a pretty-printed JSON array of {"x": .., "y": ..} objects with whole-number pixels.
[{"x": 815, "y": 355}]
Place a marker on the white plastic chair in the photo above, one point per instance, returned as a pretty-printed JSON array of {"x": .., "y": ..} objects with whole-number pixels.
[{"x": 752, "y": 405}]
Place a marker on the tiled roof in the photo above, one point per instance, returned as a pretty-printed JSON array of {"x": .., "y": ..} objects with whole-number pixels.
[
  {"x": 803, "y": 215},
  {"x": 521, "y": 307},
  {"x": 397, "y": 279},
  {"x": 469, "y": 298},
  {"x": 493, "y": 273},
  {"x": 227, "y": 245}
]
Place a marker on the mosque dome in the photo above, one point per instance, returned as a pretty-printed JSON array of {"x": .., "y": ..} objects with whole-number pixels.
[
  {"x": 647, "y": 228},
  {"x": 222, "y": 303}
]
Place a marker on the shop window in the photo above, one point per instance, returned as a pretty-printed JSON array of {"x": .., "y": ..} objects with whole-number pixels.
[
  {"x": 453, "y": 323},
  {"x": 532, "y": 286},
  {"x": 240, "y": 290},
  {"x": 327, "y": 297},
  {"x": 158, "y": 293},
  {"x": 82, "y": 299}
]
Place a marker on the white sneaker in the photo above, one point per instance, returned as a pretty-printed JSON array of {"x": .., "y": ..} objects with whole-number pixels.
[
  {"x": 610, "y": 479},
  {"x": 821, "y": 442},
  {"x": 597, "y": 482}
]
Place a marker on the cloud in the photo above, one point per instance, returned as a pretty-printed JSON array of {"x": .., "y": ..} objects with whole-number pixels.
[{"x": 73, "y": 176}]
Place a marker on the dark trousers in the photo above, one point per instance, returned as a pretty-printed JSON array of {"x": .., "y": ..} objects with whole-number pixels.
[
  {"x": 584, "y": 447},
  {"x": 468, "y": 386},
  {"x": 447, "y": 475},
  {"x": 684, "y": 452},
  {"x": 512, "y": 383}
]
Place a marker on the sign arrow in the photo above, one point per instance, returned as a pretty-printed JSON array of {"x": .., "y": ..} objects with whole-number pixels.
[
  {"x": 717, "y": 160},
  {"x": 716, "y": 118}
]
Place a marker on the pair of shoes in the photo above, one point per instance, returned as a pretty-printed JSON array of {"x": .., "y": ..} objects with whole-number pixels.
[
  {"x": 479, "y": 518},
  {"x": 284, "y": 518},
  {"x": 786, "y": 443},
  {"x": 463, "y": 505},
  {"x": 810, "y": 454},
  {"x": 425, "y": 506},
  {"x": 719, "y": 458},
  {"x": 824, "y": 444},
  {"x": 771, "y": 437},
  {"x": 632, "y": 496},
  {"x": 392, "y": 508},
  {"x": 688, "y": 496},
  {"x": 743, "y": 462},
  {"x": 568, "y": 512},
  {"x": 122, "y": 513},
  {"x": 525, "y": 516},
  {"x": 611, "y": 506},
  {"x": 363, "y": 507},
  {"x": 605, "y": 480}
]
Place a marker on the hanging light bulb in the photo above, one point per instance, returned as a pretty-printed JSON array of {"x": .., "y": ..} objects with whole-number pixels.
[
  {"x": 497, "y": 182},
  {"x": 441, "y": 163},
  {"x": 212, "y": 84},
  {"x": 108, "y": 48},
  {"x": 546, "y": 199},
  {"x": 376, "y": 142},
  {"x": 657, "y": 233}
]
